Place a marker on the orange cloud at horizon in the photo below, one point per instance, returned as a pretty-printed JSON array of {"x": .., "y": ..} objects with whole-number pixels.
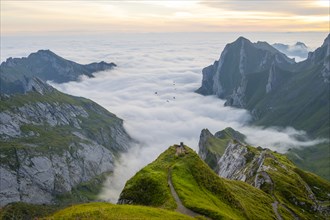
[{"x": 163, "y": 16}]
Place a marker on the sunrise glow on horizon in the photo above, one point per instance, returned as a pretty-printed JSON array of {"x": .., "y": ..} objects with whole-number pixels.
[{"x": 163, "y": 16}]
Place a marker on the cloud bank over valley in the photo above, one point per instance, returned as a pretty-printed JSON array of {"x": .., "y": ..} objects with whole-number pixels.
[{"x": 152, "y": 89}]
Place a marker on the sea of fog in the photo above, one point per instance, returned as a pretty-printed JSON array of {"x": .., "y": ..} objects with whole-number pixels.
[{"x": 152, "y": 89}]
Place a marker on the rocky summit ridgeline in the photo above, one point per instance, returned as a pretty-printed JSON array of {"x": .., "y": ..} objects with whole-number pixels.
[{"x": 16, "y": 73}]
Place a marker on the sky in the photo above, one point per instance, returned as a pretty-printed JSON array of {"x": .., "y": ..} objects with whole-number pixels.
[{"x": 82, "y": 16}]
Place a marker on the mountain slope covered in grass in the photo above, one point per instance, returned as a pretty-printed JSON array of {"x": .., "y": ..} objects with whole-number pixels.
[
  {"x": 296, "y": 192},
  {"x": 96, "y": 210},
  {"x": 198, "y": 187}
]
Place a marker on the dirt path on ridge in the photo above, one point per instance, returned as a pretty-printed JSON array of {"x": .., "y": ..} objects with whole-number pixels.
[{"x": 180, "y": 207}]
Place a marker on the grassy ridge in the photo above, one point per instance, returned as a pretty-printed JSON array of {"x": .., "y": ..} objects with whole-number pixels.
[
  {"x": 203, "y": 191},
  {"x": 149, "y": 185},
  {"x": 198, "y": 187}
]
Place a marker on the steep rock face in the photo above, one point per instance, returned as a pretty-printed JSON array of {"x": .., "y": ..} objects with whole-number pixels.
[
  {"x": 259, "y": 78},
  {"x": 15, "y": 73},
  {"x": 39, "y": 177},
  {"x": 51, "y": 142},
  {"x": 299, "y": 193},
  {"x": 203, "y": 150},
  {"x": 321, "y": 56},
  {"x": 212, "y": 147},
  {"x": 229, "y": 77},
  {"x": 232, "y": 161}
]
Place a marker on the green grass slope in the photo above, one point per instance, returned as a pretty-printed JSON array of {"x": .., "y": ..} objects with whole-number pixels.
[
  {"x": 105, "y": 211},
  {"x": 198, "y": 187},
  {"x": 304, "y": 193},
  {"x": 314, "y": 159},
  {"x": 20, "y": 210}
]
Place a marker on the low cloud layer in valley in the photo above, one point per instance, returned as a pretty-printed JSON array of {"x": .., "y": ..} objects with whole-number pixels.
[{"x": 152, "y": 89}]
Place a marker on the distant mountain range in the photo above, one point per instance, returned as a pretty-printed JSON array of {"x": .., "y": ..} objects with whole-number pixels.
[
  {"x": 16, "y": 73},
  {"x": 299, "y": 50}
]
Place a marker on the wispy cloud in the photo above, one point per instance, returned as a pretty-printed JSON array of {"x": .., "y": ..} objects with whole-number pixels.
[{"x": 280, "y": 7}]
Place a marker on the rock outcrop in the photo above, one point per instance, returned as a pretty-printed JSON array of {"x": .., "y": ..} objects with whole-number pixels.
[
  {"x": 50, "y": 142},
  {"x": 291, "y": 188},
  {"x": 209, "y": 145}
]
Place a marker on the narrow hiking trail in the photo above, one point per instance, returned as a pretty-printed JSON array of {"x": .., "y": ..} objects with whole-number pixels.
[
  {"x": 180, "y": 207},
  {"x": 275, "y": 207},
  {"x": 277, "y": 203}
]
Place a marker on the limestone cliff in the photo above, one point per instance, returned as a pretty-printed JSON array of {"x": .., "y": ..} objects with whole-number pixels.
[{"x": 50, "y": 142}]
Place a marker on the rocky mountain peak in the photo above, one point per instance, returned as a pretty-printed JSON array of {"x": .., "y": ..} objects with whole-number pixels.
[
  {"x": 44, "y": 51},
  {"x": 204, "y": 136},
  {"x": 230, "y": 133},
  {"x": 241, "y": 40},
  {"x": 263, "y": 80},
  {"x": 238, "y": 61},
  {"x": 46, "y": 65},
  {"x": 263, "y": 45}
]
